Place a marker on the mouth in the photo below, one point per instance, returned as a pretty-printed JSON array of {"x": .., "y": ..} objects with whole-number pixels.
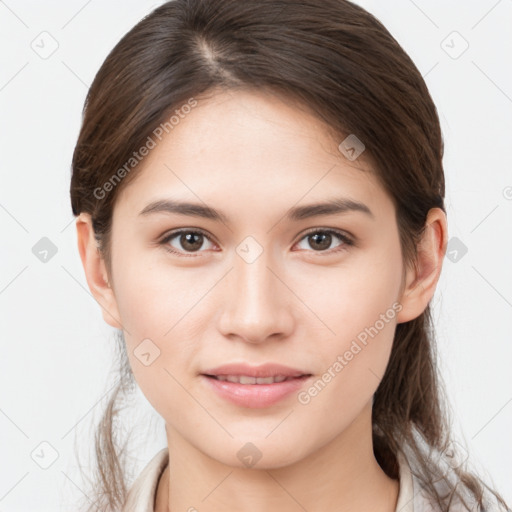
[
  {"x": 254, "y": 392},
  {"x": 249, "y": 380}
]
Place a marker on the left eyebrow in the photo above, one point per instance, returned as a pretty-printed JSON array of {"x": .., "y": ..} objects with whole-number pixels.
[{"x": 330, "y": 207}]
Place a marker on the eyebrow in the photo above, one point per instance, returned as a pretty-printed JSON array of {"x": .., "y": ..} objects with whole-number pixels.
[{"x": 330, "y": 207}]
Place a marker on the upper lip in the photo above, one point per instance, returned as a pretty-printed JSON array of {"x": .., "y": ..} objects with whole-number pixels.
[{"x": 264, "y": 370}]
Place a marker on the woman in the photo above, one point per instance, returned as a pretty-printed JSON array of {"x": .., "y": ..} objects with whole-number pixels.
[{"x": 260, "y": 199}]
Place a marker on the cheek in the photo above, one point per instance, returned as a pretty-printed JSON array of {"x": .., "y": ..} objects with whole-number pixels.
[
  {"x": 348, "y": 341},
  {"x": 359, "y": 317},
  {"x": 354, "y": 360},
  {"x": 350, "y": 299},
  {"x": 156, "y": 305},
  {"x": 346, "y": 387},
  {"x": 152, "y": 296}
]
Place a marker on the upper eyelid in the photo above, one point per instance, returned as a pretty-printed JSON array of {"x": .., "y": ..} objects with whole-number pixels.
[
  {"x": 171, "y": 234},
  {"x": 339, "y": 232}
]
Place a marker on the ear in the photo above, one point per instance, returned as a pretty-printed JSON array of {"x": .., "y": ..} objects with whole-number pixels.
[
  {"x": 96, "y": 271},
  {"x": 421, "y": 279}
]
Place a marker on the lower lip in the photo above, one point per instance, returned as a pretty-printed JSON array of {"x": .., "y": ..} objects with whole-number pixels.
[{"x": 255, "y": 395}]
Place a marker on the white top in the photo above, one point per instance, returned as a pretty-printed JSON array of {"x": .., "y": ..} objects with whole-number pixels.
[{"x": 142, "y": 494}]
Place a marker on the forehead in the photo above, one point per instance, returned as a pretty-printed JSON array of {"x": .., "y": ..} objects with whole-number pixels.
[{"x": 250, "y": 144}]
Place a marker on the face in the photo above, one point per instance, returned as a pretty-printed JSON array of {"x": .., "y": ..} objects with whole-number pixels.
[{"x": 316, "y": 293}]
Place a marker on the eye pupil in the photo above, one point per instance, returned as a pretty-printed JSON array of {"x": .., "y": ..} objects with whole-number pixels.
[
  {"x": 187, "y": 241},
  {"x": 192, "y": 241},
  {"x": 324, "y": 237}
]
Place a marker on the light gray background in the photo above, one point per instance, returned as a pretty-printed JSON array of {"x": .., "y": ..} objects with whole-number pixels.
[{"x": 56, "y": 350}]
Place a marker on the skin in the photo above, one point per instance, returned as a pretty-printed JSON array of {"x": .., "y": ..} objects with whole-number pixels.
[{"x": 254, "y": 156}]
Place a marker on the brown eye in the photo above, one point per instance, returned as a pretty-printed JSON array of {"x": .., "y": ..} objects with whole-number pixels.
[
  {"x": 185, "y": 241},
  {"x": 321, "y": 240},
  {"x": 191, "y": 241}
]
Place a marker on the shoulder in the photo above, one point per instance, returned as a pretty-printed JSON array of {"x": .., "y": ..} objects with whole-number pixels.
[
  {"x": 413, "y": 496},
  {"x": 141, "y": 496}
]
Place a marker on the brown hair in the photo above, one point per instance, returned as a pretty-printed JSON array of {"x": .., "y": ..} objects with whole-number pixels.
[{"x": 339, "y": 61}]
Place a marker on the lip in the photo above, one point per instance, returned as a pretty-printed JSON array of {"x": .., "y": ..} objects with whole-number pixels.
[
  {"x": 264, "y": 370},
  {"x": 255, "y": 396}
]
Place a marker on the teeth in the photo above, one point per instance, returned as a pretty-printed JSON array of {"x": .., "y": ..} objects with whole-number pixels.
[{"x": 245, "y": 379}]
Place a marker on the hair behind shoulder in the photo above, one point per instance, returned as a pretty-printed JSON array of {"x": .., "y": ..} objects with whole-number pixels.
[{"x": 338, "y": 60}]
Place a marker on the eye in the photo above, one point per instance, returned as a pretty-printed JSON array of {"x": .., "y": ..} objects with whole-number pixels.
[
  {"x": 321, "y": 239},
  {"x": 190, "y": 241}
]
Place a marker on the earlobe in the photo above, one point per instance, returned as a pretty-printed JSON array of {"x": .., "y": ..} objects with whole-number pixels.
[
  {"x": 95, "y": 271},
  {"x": 421, "y": 279}
]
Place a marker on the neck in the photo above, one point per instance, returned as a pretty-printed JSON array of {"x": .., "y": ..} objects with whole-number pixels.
[{"x": 343, "y": 475}]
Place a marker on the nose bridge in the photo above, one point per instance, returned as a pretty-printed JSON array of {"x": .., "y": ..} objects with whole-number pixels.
[{"x": 254, "y": 307}]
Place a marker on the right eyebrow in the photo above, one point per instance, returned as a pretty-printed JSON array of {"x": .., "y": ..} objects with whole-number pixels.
[{"x": 297, "y": 213}]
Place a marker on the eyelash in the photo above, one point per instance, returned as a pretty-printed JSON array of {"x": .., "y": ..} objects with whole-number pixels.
[{"x": 347, "y": 241}]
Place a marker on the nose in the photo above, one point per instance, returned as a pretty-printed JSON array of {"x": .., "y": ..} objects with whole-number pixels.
[{"x": 257, "y": 304}]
